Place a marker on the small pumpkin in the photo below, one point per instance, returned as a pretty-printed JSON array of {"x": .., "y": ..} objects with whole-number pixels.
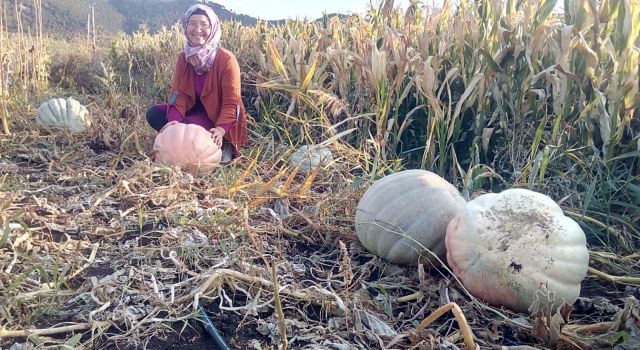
[
  {"x": 310, "y": 157},
  {"x": 517, "y": 246},
  {"x": 188, "y": 145},
  {"x": 403, "y": 215},
  {"x": 67, "y": 113}
]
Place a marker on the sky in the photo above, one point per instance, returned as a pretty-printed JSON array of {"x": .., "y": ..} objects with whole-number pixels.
[{"x": 282, "y": 9}]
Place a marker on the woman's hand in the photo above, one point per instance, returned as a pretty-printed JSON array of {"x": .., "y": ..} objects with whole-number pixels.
[{"x": 217, "y": 134}]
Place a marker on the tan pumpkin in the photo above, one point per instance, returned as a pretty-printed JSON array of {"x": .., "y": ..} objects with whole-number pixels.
[
  {"x": 66, "y": 113},
  {"x": 403, "y": 215},
  {"x": 517, "y": 246},
  {"x": 188, "y": 145}
]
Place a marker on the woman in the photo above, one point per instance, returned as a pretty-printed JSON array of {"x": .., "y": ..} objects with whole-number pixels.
[{"x": 206, "y": 85}]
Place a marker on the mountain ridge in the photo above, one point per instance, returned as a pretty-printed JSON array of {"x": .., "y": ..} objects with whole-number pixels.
[{"x": 69, "y": 18}]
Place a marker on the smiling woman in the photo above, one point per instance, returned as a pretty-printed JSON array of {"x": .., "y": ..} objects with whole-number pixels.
[{"x": 206, "y": 86}]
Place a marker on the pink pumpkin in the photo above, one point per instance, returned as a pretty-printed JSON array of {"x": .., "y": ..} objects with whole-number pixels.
[
  {"x": 513, "y": 248},
  {"x": 188, "y": 145}
]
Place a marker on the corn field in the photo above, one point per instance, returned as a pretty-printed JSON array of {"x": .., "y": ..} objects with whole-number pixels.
[
  {"x": 494, "y": 94},
  {"x": 490, "y": 94}
]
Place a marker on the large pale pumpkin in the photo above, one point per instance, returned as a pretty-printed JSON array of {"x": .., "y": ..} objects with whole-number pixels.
[
  {"x": 188, "y": 145},
  {"x": 67, "y": 113},
  {"x": 513, "y": 247},
  {"x": 403, "y": 215}
]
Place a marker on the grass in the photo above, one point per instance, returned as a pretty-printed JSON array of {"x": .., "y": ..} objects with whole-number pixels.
[{"x": 490, "y": 97}]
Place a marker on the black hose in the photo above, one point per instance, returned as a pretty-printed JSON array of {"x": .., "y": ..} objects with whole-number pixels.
[
  {"x": 212, "y": 330},
  {"x": 208, "y": 325}
]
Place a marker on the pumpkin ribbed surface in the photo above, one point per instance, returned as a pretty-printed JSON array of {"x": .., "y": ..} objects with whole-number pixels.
[
  {"x": 66, "y": 113},
  {"x": 517, "y": 246},
  {"x": 403, "y": 215},
  {"x": 188, "y": 145}
]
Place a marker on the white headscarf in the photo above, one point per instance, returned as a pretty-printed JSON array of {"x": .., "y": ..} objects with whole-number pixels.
[{"x": 201, "y": 57}]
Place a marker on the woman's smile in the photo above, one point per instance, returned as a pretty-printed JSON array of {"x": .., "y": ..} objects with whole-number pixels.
[{"x": 198, "y": 29}]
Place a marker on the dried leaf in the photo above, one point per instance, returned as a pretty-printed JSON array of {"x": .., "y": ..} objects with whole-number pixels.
[
  {"x": 539, "y": 329},
  {"x": 376, "y": 325},
  {"x": 486, "y": 137},
  {"x": 620, "y": 318}
]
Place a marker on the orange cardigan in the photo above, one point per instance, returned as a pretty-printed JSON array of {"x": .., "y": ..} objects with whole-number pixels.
[{"x": 221, "y": 95}]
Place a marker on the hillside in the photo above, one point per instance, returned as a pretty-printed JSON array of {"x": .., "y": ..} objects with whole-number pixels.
[
  {"x": 158, "y": 13},
  {"x": 69, "y": 17}
]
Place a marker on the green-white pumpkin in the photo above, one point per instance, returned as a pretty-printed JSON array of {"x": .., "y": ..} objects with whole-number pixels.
[
  {"x": 517, "y": 246},
  {"x": 403, "y": 215},
  {"x": 66, "y": 113},
  {"x": 310, "y": 157}
]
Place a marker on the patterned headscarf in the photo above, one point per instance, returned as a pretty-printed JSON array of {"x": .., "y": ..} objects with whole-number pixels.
[{"x": 201, "y": 57}]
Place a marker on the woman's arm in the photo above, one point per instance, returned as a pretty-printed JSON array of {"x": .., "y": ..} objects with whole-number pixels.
[
  {"x": 178, "y": 97},
  {"x": 230, "y": 84}
]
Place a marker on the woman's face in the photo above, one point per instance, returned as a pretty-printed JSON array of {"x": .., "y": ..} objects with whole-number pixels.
[{"x": 198, "y": 29}]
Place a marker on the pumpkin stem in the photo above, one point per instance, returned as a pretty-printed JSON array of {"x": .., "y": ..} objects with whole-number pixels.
[{"x": 467, "y": 334}]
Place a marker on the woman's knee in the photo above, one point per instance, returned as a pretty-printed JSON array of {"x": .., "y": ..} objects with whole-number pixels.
[{"x": 157, "y": 117}]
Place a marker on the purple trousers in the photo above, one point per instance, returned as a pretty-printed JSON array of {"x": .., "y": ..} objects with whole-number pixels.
[{"x": 159, "y": 115}]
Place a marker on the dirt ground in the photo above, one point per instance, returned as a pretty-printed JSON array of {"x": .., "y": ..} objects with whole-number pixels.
[{"x": 122, "y": 252}]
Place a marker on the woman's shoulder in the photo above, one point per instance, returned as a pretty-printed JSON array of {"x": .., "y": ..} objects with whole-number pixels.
[
  {"x": 181, "y": 59},
  {"x": 226, "y": 54}
]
